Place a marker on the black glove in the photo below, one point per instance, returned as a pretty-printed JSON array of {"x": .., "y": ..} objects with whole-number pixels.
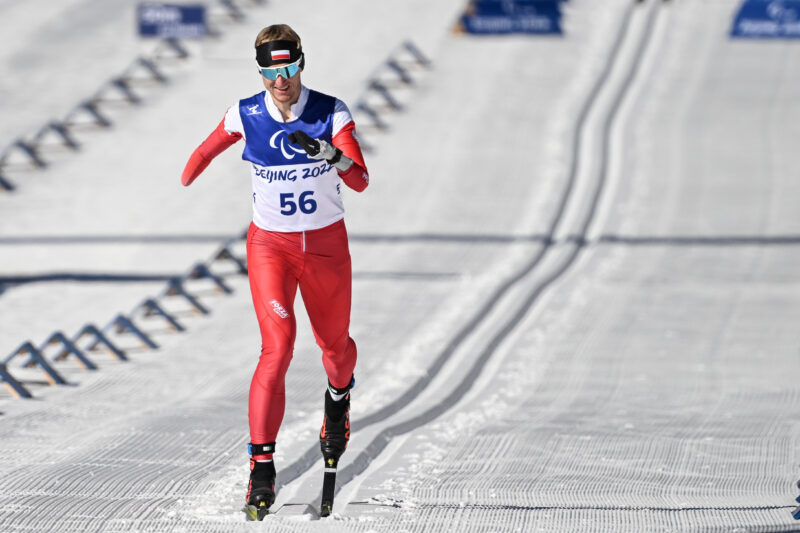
[
  {"x": 311, "y": 146},
  {"x": 320, "y": 149}
]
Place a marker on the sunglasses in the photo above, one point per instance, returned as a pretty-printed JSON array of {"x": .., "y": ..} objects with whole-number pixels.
[{"x": 287, "y": 72}]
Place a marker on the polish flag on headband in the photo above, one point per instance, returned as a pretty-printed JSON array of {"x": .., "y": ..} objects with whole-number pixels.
[{"x": 280, "y": 54}]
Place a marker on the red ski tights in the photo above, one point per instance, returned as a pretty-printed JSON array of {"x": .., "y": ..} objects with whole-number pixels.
[{"x": 317, "y": 261}]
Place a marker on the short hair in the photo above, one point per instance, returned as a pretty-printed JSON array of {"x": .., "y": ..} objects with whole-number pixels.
[{"x": 278, "y": 32}]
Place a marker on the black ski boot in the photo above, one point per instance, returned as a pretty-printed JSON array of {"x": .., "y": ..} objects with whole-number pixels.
[
  {"x": 261, "y": 488},
  {"x": 335, "y": 432},
  {"x": 333, "y": 439}
]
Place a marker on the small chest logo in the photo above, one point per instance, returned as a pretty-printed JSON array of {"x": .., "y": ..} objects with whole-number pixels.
[{"x": 253, "y": 110}]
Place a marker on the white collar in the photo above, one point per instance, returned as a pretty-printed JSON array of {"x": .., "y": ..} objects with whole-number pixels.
[{"x": 296, "y": 109}]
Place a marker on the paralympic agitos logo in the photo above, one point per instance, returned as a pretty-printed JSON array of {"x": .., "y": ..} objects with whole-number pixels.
[{"x": 281, "y": 142}]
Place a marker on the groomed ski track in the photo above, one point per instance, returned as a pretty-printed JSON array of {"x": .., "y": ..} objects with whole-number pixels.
[{"x": 575, "y": 298}]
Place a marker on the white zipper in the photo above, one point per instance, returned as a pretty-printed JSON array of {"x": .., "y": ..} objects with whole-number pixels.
[{"x": 304, "y": 242}]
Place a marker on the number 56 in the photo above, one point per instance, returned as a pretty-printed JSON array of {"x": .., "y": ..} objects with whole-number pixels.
[{"x": 305, "y": 202}]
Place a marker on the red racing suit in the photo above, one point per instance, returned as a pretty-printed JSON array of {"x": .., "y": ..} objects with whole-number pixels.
[{"x": 297, "y": 238}]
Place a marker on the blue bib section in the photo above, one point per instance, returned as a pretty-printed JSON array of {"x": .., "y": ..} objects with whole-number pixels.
[{"x": 267, "y": 142}]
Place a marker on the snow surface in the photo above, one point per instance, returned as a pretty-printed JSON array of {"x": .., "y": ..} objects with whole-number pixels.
[{"x": 575, "y": 286}]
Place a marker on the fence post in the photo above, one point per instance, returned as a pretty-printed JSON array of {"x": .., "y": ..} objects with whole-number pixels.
[
  {"x": 175, "y": 288},
  {"x": 99, "y": 338},
  {"x": 226, "y": 254},
  {"x": 381, "y": 89},
  {"x": 152, "y": 69},
  {"x": 151, "y": 307},
  {"x": 90, "y": 106},
  {"x": 37, "y": 359},
  {"x": 124, "y": 324},
  {"x": 376, "y": 119},
  {"x": 15, "y": 387},
  {"x": 31, "y": 152},
  {"x": 69, "y": 348},
  {"x": 5, "y": 184},
  {"x": 175, "y": 46},
  {"x": 124, "y": 87},
  {"x": 418, "y": 56},
  {"x": 400, "y": 71},
  {"x": 233, "y": 10},
  {"x": 62, "y": 132},
  {"x": 200, "y": 271}
]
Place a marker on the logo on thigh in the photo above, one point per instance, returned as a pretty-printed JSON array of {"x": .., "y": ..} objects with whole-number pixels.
[{"x": 279, "y": 310}]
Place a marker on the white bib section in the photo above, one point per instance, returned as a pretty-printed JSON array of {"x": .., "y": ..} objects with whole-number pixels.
[{"x": 291, "y": 198}]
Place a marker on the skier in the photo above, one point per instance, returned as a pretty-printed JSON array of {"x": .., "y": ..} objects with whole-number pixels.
[{"x": 300, "y": 143}]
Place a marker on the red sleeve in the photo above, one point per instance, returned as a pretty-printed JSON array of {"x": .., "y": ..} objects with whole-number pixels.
[
  {"x": 356, "y": 177},
  {"x": 215, "y": 144}
]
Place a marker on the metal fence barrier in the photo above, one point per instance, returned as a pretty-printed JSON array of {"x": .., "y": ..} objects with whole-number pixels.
[
  {"x": 385, "y": 89},
  {"x": 144, "y": 70},
  {"x": 90, "y": 338}
]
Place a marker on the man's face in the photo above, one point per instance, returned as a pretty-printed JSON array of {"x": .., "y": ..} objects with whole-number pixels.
[{"x": 283, "y": 90}]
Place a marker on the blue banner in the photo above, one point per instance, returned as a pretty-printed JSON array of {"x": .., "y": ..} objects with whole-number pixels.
[
  {"x": 172, "y": 21},
  {"x": 512, "y": 16},
  {"x": 767, "y": 19}
]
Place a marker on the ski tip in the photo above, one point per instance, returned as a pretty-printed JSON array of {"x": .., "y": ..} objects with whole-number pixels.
[
  {"x": 256, "y": 513},
  {"x": 796, "y": 513}
]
